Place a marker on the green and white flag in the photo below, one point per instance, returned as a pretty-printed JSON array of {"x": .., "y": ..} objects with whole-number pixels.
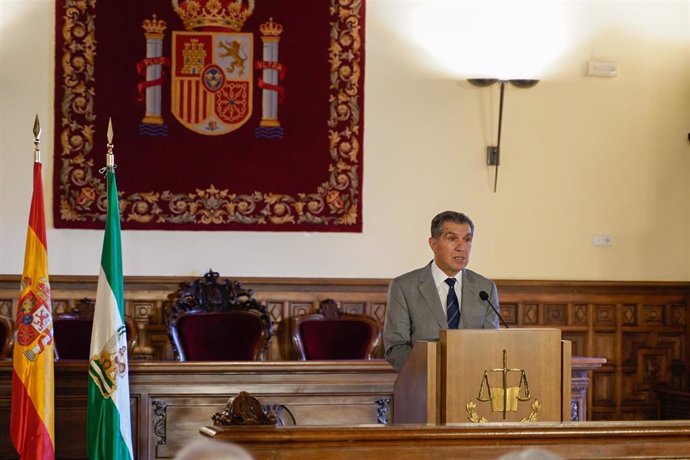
[{"x": 109, "y": 428}]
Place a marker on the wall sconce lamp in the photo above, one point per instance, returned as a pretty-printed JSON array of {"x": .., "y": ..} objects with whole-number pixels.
[{"x": 493, "y": 152}]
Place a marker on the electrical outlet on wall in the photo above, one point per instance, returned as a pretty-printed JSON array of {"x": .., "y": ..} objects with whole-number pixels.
[
  {"x": 606, "y": 69},
  {"x": 602, "y": 240}
]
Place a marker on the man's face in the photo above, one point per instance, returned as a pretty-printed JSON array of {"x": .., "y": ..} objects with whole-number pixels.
[{"x": 452, "y": 249}]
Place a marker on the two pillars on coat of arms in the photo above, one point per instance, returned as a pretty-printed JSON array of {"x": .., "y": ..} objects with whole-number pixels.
[{"x": 151, "y": 68}]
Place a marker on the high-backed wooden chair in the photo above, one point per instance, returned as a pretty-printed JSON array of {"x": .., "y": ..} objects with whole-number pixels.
[
  {"x": 6, "y": 337},
  {"x": 72, "y": 331},
  {"x": 213, "y": 320},
  {"x": 331, "y": 334}
]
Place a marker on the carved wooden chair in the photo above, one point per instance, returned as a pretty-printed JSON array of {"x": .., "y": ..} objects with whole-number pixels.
[
  {"x": 72, "y": 331},
  {"x": 213, "y": 320},
  {"x": 331, "y": 334},
  {"x": 6, "y": 337}
]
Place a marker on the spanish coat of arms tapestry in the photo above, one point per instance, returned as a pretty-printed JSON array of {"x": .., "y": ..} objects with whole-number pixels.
[{"x": 226, "y": 114}]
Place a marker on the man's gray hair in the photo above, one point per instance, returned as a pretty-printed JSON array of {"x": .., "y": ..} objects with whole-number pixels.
[{"x": 449, "y": 216}]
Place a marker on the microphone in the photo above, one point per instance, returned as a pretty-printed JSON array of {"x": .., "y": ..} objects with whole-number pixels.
[{"x": 484, "y": 296}]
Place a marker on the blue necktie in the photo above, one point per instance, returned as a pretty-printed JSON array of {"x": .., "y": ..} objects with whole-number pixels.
[{"x": 453, "y": 306}]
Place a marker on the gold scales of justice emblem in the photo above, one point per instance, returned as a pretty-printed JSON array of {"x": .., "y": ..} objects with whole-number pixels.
[{"x": 504, "y": 398}]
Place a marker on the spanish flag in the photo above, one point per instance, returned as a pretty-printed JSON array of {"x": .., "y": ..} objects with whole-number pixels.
[{"x": 31, "y": 422}]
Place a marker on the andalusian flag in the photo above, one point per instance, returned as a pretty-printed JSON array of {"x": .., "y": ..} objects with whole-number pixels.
[
  {"x": 109, "y": 426},
  {"x": 31, "y": 422}
]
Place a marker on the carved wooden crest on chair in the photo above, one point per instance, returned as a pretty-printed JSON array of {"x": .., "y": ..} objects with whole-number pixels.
[
  {"x": 244, "y": 409},
  {"x": 331, "y": 334},
  {"x": 214, "y": 320},
  {"x": 72, "y": 331},
  {"x": 6, "y": 337}
]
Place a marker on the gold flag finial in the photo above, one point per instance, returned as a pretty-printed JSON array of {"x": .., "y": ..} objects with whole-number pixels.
[
  {"x": 37, "y": 128},
  {"x": 109, "y": 156},
  {"x": 110, "y": 130},
  {"x": 37, "y": 135}
]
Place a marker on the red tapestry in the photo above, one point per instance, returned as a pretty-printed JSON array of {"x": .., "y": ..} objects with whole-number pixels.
[{"x": 227, "y": 114}]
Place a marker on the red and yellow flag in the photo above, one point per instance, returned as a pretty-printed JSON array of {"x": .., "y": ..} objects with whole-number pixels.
[{"x": 32, "y": 419}]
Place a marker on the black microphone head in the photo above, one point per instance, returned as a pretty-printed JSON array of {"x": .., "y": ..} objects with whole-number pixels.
[{"x": 483, "y": 295}]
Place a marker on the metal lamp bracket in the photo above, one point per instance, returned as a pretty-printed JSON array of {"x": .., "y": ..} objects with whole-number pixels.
[{"x": 492, "y": 156}]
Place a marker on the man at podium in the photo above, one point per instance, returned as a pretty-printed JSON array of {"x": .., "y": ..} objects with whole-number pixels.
[{"x": 444, "y": 294}]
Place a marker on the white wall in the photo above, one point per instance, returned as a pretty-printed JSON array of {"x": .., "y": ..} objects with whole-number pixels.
[{"x": 581, "y": 155}]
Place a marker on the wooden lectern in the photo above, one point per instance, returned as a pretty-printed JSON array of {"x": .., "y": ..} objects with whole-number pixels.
[{"x": 498, "y": 375}]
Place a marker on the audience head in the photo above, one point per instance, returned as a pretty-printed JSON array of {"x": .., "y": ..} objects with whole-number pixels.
[
  {"x": 531, "y": 453},
  {"x": 209, "y": 449}
]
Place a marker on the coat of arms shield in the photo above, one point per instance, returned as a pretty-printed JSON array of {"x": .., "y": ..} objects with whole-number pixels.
[{"x": 212, "y": 80}]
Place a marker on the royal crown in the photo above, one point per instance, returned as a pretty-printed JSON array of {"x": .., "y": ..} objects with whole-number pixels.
[
  {"x": 227, "y": 15},
  {"x": 154, "y": 25},
  {"x": 271, "y": 29}
]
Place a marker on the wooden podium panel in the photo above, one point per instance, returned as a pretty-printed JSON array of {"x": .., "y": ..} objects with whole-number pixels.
[
  {"x": 419, "y": 386},
  {"x": 503, "y": 375},
  {"x": 479, "y": 363}
]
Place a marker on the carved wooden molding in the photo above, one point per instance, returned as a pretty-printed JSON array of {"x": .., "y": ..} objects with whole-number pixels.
[
  {"x": 159, "y": 414},
  {"x": 243, "y": 409}
]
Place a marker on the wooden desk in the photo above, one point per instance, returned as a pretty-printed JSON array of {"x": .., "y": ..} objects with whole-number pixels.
[
  {"x": 171, "y": 400},
  {"x": 590, "y": 440}
]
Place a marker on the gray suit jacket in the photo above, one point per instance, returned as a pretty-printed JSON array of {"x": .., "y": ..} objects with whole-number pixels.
[{"x": 415, "y": 312}]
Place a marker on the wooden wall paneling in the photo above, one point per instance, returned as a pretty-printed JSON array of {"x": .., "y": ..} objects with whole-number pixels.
[
  {"x": 5, "y": 407},
  {"x": 509, "y": 312},
  {"x": 605, "y": 347},
  {"x": 616, "y": 314},
  {"x": 579, "y": 341},
  {"x": 580, "y": 315},
  {"x": 674, "y": 405},
  {"x": 280, "y": 344},
  {"x": 555, "y": 315},
  {"x": 603, "y": 395},
  {"x": 530, "y": 316},
  {"x": 70, "y": 412},
  {"x": 676, "y": 343},
  {"x": 587, "y": 310},
  {"x": 605, "y": 315},
  {"x": 6, "y": 306},
  {"x": 640, "y": 327},
  {"x": 378, "y": 311},
  {"x": 141, "y": 313}
]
